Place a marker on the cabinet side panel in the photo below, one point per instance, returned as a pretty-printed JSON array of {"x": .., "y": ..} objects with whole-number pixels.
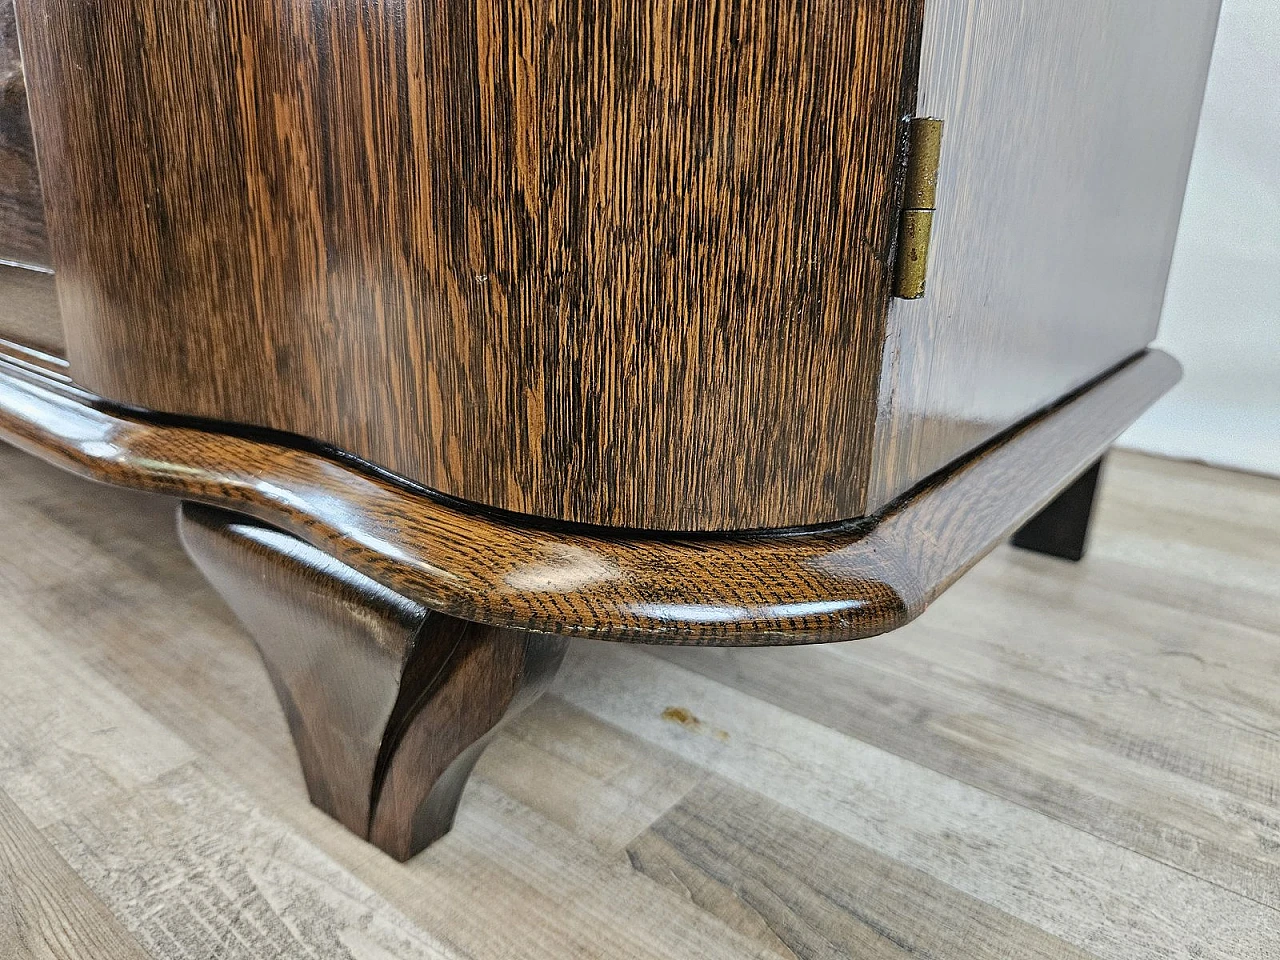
[
  {"x": 1069, "y": 132},
  {"x": 614, "y": 262}
]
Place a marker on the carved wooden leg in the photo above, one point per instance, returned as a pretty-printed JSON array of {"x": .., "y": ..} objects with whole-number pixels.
[
  {"x": 390, "y": 704},
  {"x": 1062, "y": 528}
]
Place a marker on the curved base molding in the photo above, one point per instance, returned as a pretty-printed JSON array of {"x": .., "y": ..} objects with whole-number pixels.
[{"x": 839, "y": 583}]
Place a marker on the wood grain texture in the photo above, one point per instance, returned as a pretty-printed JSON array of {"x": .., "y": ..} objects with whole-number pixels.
[
  {"x": 1130, "y": 700},
  {"x": 219, "y": 853},
  {"x": 1015, "y": 859},
  {"x": 1134, "y": 696},
  {"x": 178, "y": 853},
  {"x": 46, "y": 911},
  {"x": 613, "y": 262},
  {"x": 839, "y": 583},
  {"x": 29, "y": 310},
  {"x": 22, "y": 230},
  {"x": 808, "y": 891},
  {"x": 390, "y": 705},
  {"x": 1069, "y": 131}
]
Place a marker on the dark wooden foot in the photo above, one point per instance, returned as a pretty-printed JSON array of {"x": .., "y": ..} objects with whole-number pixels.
[
  {"x": 390, "y": 704},
  {"x": 1062, "y": 528}
]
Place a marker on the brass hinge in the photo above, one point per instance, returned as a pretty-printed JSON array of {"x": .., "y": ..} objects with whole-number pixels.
[{"x": 919, "y": 200}]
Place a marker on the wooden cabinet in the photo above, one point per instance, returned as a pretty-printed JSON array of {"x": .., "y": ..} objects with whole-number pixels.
[{"x": 576, "y": 317}]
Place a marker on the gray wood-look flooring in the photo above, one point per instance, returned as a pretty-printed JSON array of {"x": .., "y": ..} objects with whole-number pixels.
[{"x": 1056, "y": 761}]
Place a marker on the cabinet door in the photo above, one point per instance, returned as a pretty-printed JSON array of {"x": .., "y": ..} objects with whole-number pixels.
[{"x": 620, "y": 263}]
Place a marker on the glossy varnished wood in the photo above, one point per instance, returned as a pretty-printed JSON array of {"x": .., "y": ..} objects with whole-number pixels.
[
  {"x": 840, "y": 583},
  {"x": 390, "y": 704},
  {"x": 22, "y": 230},
  {"x": 616, "y": 262},
  {"x": 1069, "y": 131}
]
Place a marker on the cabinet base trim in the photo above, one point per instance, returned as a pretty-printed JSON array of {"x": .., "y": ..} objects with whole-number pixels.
[{"x": 844, "y": 582}]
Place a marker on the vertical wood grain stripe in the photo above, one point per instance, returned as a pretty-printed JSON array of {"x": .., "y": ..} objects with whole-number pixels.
[
  {"x": 616, "y": 261},
  {"x": 46, "y": 911}
]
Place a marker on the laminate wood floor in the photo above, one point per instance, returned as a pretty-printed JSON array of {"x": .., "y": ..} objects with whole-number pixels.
[{"x": 1056, "y": 761}]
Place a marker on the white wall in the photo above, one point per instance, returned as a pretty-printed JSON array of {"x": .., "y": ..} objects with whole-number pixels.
[{"x": 1222, "y": 312}]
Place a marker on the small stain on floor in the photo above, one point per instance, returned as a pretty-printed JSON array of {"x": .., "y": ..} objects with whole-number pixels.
[{"x": 687, "y": 720}]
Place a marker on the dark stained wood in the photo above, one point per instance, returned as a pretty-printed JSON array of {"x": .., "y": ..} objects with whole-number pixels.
[
  {"x": 29, "y": 310},
  {"x": 838, "y": 583},
  {"x": 599, "y": 260},
  {"x": 22, "y": 230},
  {"x": 1069, "y": 132},
  {"x": 390, "y": 705},
  {"x": 465, "y": 692},
  {"x": 1062, "y": 528},
  {"x": 335, "y": 643},
  {"x": 46, "y": 911}
]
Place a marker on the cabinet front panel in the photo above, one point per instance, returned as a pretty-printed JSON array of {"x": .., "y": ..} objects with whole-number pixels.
[
  {"x": 22, "y": 234},
  {"x": 614, "y": 262},
  {"x": 1068, "y": 136}
]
